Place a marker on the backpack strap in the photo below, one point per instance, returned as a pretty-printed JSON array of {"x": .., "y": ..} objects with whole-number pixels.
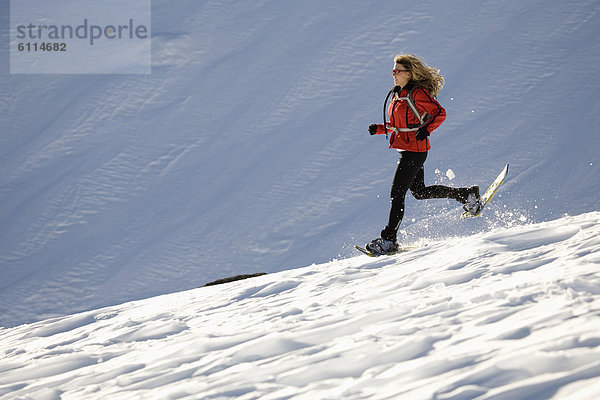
[{"x": 423, "y": 119}]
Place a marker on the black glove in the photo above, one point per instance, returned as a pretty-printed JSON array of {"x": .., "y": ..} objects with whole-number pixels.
[
  {"x": 373, "y": 129},
  {"x": 422, "y": 134}
]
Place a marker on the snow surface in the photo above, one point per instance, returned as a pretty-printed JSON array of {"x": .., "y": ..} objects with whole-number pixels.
[
  {"x": 246, "y": 149},
  {"x": 509, "y": 314}
]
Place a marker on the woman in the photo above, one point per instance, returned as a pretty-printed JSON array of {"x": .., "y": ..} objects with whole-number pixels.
[{"x": 414, "y": 114}]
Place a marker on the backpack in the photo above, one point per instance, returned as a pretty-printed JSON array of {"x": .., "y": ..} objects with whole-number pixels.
[{"x": 423, "y": 119}]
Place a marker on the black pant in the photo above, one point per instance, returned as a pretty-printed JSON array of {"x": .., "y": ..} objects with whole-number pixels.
[{"x": 410, "y": 175}]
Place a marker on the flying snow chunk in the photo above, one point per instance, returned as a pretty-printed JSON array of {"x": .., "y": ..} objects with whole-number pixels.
[{"x": 450, "y": 174}]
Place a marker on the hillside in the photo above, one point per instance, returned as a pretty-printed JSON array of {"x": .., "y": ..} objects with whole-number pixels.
[
  {"x": 246, "y": 149},
  {"x": 512, "y": 314}
]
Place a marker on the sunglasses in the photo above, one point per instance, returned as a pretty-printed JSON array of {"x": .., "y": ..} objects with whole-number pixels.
[{"x": 397, "y": 71}]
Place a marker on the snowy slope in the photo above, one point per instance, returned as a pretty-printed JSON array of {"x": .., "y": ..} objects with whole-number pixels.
[
  {"x": 511, "y": 314},
  {"x": 246, "y": 148}
]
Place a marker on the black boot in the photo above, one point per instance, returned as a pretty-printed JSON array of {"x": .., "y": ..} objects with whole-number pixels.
[
  {"x": 381, "y": 247},
  {"x": 469, "y": 195}
]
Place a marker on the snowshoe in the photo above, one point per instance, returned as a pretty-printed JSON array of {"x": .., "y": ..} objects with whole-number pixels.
[{"x": 382, "y": 247}]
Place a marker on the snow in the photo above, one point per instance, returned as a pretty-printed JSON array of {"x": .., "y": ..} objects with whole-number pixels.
[
  {"x": 509, "y": 314},
  {"x": 246, "y": 150}
]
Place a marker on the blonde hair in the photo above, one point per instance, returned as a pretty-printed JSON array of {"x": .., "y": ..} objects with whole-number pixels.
[{"x": 421, "y": 74}]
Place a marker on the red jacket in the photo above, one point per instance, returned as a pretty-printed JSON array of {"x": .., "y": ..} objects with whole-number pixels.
[{"x": 401, "y": 117}]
